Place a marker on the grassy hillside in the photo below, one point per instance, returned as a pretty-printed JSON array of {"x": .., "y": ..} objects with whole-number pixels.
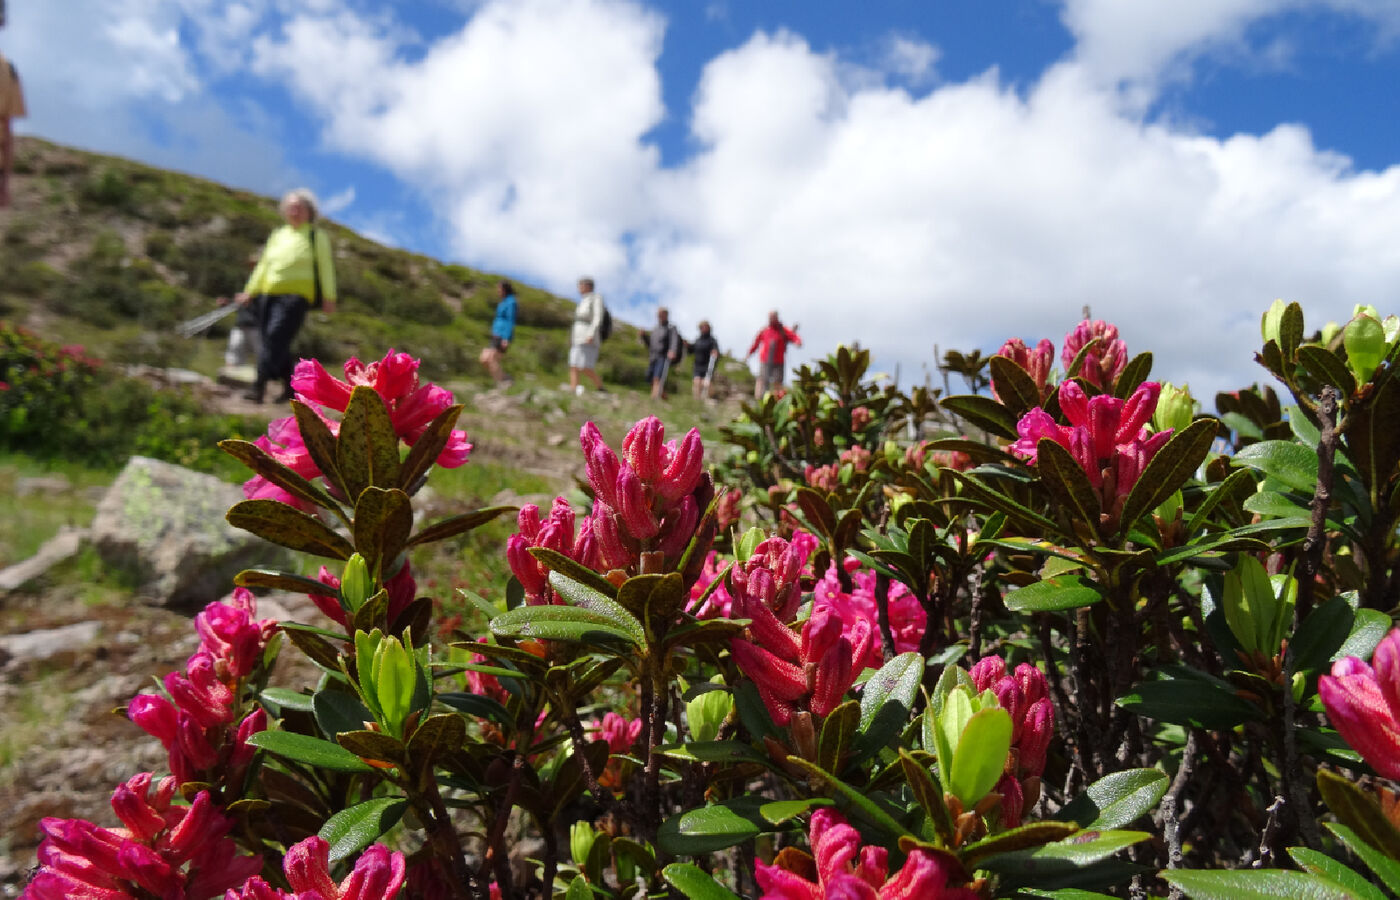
[{"x": 111, "y": 254}]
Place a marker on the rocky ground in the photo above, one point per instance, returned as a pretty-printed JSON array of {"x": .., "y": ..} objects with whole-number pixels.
[{"x": 70, "y": 661}]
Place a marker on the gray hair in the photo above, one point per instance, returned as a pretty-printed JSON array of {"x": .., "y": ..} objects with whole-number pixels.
[{"x": 305, "y": 198}]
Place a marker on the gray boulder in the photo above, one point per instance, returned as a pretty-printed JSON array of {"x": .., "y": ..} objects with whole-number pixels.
[{"x": 165, "y": 526}]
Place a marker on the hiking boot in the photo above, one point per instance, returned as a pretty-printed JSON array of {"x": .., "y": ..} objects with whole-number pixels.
[{"x": 256, "y": 392}]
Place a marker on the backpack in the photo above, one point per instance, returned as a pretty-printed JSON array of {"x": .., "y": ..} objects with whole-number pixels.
[
  {"x": 673, "y": 337},
  {"x": 605, "y": 326}
]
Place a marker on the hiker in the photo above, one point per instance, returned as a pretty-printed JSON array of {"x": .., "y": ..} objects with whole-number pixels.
[
  {"x": 244, "y": 338},
  {"x": 584, "y": 339},
  {"x": 295, "y": 273},
  {"x": 11, "y": 107},
  {"x": 502, "y": 331},
  {"x": 663, "y": 351},
  {"x": 771, "y": 344},
  {"x": 706, "y": 356}
]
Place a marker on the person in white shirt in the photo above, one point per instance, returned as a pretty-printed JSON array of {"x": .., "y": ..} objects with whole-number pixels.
[{"x": 584, "y": 340}]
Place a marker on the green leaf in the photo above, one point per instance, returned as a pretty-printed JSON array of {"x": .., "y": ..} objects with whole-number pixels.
[
  {"x": 1051, "y": 594},
  {"x": 856, "y": 798},
  {"x": 886, "y": 701},
  {"x": 1293, "y": 464},
  {"x": 383, "y": 520},
  {"x": 367, "y": 449},
  {"x": 429, "y": 447},
  {"x": 1169, "y": 469},
  {"x": 1290, "y": 329},
  {"x": 929, "y": 795},
  {"x": 290, "y": 527},
  {"x": 1386, "y": 868},
  {"x": 1081, "y": 849},
  {"x": 715, "y": 751},
  {"x": 312, "y": 751},
  {"x": 1118, "y": 799},
  {"x": 1364, "y": 339},
  {"x": 1322, "y": 634},
  {"x": 317, "y": 648},
  {"x": 579, "y": 889},
  {"x": 1231, "y": 486},
  {"x": 1326, "y": 867},
  {"x": 455, "y": 525},
  {"x": 1013, "y": 385},
  {"x": 1369, "y": 627},
  {"x": 836, "y": 733},
  {"x": 1327, "y": 367},
  {"x": 282, "y": 581},
  {"x": 980, "y": 756},
  {"x": 1183, "y": 701},
  {"x": 695, "y": 883},
  {"x": 705, "y": 830},
  {"x": 352, "y": 830},
  {"x": 1371, "y": 437},
  {"x": 586, "y": 598},
  {"x": 779, "y": 811},
  {"x": 561, "y": 623},
  {"x": 476, "y": 705},
  {"x": 982, "y": 494},
  {"x": 257, "y": 459},
  {"x": 436, "y": 738},
  {"x": 1035, "y": 834},
  {"x": 984, "y": 412},
  {"x": 817, "y": 510},
  {"x": 337, "y": 711},
  {"x": 655, "y": 599},
  {"x": 286, "y": 698},
  {"x": 1358, "y": 812},
  {"x": 1133, "y": 374},
  {"x": 373, "y": 745},
  {"x": 1254, "y": 884},
  {"x": 1067, "y": 483},
  {"x": 320, "y": 443}
]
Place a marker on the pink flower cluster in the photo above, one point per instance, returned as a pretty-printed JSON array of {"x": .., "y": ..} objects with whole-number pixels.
[
  {"x": 1036, "y": 362},
  {"x": 1024, "y": 694},
  {"x": 651, "y": 499},
  {"x": 378, "y": 874},
  {"x": 1104, "y": 363},
  {"x": 555, "y": 533},
  {"x": 621, "y": 734},
  {"x": 402, "y": 589},
  {"x": 167, "y": 851},
  {"x": 813, "y": 673},
  {"x": 907, "y": 616},
  {"x": 1108, "y": 437},
  {"x": 194, "y": 724},
  {"x": 845, "y": 870},
  {"x": 1363, "y": 704},
  {"x": 782, "y": 563},
  {"x": 412, "y": 406}
]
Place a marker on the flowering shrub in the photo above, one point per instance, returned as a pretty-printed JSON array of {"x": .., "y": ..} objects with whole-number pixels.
[{"x": 1085, "y": 650}]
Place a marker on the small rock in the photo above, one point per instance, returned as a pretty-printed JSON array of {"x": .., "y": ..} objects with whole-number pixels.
[
  {"x": 55, "y": 550},
  {"x": 45, "y": 643},
  {"x": 555, "y": 440},
  {"x": 42, "y": 484}
]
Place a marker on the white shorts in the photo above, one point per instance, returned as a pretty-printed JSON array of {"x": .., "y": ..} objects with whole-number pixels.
[{"x": 583, "y": 356}]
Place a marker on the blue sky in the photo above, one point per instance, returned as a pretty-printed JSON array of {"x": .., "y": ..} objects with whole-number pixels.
[{"x": 902, "y": 173}]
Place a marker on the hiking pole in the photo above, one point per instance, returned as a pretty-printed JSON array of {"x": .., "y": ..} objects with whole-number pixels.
[
  {"x": 710, "y": 374},
  {"x": 202, "y": 323}
]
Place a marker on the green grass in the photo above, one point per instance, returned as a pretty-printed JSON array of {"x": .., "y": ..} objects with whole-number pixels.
[{"x": 26, "y": 522}]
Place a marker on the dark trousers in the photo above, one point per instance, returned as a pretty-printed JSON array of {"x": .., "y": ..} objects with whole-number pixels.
[{"x": 282, "y": 315}]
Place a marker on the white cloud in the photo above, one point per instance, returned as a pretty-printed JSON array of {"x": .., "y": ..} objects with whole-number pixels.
[
  {"x": 911, "y": 58},
  {"x": 339, "y": 201},
  {"x": 1142, "y": 42}
]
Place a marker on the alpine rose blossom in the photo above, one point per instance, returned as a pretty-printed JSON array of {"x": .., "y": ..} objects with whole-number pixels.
[
  {"x": 1035, "y": 362},
  {"x": 848, "y": 871},
  {"x": 907, "y": 615},
  {"x": 378, "y": 874},
  {"x": 1363, "y": 704},
  {"x": 1104, "y": 363}
]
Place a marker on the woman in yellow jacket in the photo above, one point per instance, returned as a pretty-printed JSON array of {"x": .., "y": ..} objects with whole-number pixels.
[{"x": 295, "y": 273}]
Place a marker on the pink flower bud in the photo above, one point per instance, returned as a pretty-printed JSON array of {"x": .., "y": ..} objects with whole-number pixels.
[
  {"x": 684, "y": 469},
  {"x": 643, "y": 448},
  {"x": 253, "y": 723},
  {"x": 378, "y": 875},
  {"x": 678, "y": 528},
  {"x": 987, "y": 671},
  {"x": 524, "y": 566},
  {"x": 634, "y": 507},
  {"x": 131, "y": 803},
  {"x": 1013, "y": 801},
  {"x": 200, "y": 693},
  {"x": 1362, "y": 704},
  {"x": 201, "y": 825},
  {"x": 307, "y": 867},
  {"x": 776, "y": 679},
  {"x": 154, "y": 715},
  {"x": 1032, "y": 682},
  {"x": 1036, "y": 732},
  {"x": 614, "y": 548},
  {"x": 144, "y": 866},
  {"x": 1137, "y": 411}
]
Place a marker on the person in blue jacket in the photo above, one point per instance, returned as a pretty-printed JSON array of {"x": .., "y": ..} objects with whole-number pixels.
[{"x": 502, "y": 332}]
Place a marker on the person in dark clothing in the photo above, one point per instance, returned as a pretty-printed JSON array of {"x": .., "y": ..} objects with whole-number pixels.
[
  {"x": 705, "y": 351},
  {"x": 663, "y": 349}
]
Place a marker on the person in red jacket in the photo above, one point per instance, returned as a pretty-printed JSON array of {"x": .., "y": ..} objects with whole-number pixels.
[{"x": 771, "y": 343}]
